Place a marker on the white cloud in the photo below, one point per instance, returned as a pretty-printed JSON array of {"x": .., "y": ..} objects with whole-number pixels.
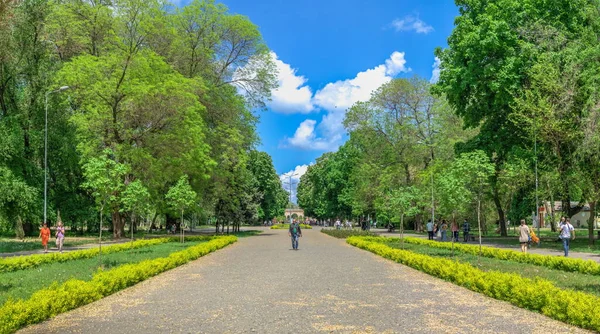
[
  {"x": 336, "y": 98},
  {"x": 410, "y": 22},
  {"x": 306, "y": 138},
  {"x": 292, "y": 95},
  {"x": 295, "y": 174},
  {"x": 435, "y": 73}
]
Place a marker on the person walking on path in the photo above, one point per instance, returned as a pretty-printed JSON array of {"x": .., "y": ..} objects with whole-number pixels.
[
  {"x": 60, "y": 236},
  {"x": 567, "y": 233},
  {"x": 429, "y": 230},
  {"x": 466, "y": 229},
  {"x": 524, "y": 236},
  {"x": 295, "y": 232},
  {"x": 454, "y": 231},
  {"x": 45, "y": 235},
  {"x": 444, "y": 229}
]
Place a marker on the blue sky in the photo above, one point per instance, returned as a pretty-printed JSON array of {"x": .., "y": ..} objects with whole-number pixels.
[{"x": 332, "y": 53}]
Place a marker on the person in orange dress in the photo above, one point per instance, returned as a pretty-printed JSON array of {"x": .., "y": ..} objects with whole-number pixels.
[{"x": 45, "y": 235}]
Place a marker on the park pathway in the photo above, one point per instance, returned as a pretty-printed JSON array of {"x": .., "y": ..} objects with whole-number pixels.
[{"x": 260, "y": 285}]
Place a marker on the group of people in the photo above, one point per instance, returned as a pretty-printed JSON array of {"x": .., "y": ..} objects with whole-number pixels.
[
  {"x": 45, "y": 235},
  {"x": 566, "y": 233},
  {"x": 439, "y": 229}
]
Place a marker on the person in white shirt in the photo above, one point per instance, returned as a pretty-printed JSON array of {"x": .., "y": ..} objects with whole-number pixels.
[{"x": 567, "y": 233}]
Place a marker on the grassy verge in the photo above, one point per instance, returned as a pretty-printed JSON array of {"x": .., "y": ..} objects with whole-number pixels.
[
  {"x": 552, "y": 262},
  {"x": 31, "y": 261},
  {"x": 28, "y": 244},
  {"x": 343, "y": 234},
  {"x": 286, "y": 226},
  {"x": 59, "y": 298},
  {"x": 576, "y": 308},
  {"x": 580, "y": 244},
  {"x": 565, "y": 280},
  {"x": 23, "y": 283}
]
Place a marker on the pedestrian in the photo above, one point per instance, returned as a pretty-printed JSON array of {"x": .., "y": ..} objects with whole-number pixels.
[
  {"x": 454, "y": 231},
  {"x": 60, "y": 236},
  {"x": 429, "y": 227},
  {"x": 524, "y": 236},
  {"x": 45, "y": 236},
  {"x": 466, "y": 229},
  {"x": 444, "y": 229},
  {"x": 567, "y": 233},
  {"x": 295, "y": 232}
]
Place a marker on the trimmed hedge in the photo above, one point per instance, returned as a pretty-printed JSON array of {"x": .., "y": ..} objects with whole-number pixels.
[
  {"x": 575, "y": 308},
  {"x": 56, "y": 299},
  {"x": 286, "y": 226},
  {"x": 29, "y": 261},
  {"x": 343, "y": 234},
  {"x": 552, "y": 262}
]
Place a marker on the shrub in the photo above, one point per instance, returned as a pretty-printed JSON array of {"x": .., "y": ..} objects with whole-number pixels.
[
  {"x": 343, "y": 234},
  {"x": 286, "y": 226},
  {"x": 552, "y": 262},
  {"x": 576, "y": 308},
  {"x": 56, "y": 299},
  {"x": 30, "y": 261}
]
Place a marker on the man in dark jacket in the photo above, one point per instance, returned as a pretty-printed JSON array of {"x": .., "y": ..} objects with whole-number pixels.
[{"x": 295, "y": 232}]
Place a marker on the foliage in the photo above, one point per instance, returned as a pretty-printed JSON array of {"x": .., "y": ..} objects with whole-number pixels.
[
  {"x": 536, "y": 295},
  {"x": 343, "y": 234},
  {"x": 553, "y": 262},
  {"x": 31, "y": 261},
  {"x": 56, "y": 299},
  {"x": 287, "y": 226}
]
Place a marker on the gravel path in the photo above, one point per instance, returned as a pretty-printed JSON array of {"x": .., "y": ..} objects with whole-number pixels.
[{"x": 260, "y": 285}]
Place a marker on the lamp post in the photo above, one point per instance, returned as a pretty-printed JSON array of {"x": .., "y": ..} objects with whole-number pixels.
[
  {"x": 291, "y": 185},
  {"x": 63, "y": 88}
]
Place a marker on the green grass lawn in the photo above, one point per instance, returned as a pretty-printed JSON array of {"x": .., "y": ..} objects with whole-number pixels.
[
  {"x": 23, "y": 283},
  {"x": 580, "y": 244},
  {"x": 12, "y": 245},
  {"x": 565, "y": 280}
]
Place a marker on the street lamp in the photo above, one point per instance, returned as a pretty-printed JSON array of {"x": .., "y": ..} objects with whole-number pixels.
[
  {"x": 63, "y": 88},
  {"x": 291, "y": 184}
]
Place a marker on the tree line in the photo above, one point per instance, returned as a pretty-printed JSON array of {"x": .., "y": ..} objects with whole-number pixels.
[
  {"x": 518, "y": 92},
  {"x": 150, "y": 93}
]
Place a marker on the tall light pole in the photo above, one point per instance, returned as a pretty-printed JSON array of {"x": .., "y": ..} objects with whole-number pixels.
[
  {"x": 537, "y": 209},
  {"x": 291, "y": 184},
  {"x": 63, "y": 88}
]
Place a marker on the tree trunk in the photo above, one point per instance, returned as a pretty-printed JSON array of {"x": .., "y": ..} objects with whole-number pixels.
[
  {"x": 592, "y": 222},
  {"x": 118, "y": 224},
  {"x": 501, "y": 216},
  {"x": 479, "y": 223}
]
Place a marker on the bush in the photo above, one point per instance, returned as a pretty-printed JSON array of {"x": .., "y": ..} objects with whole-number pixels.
[
  {"x": 576, "y": 308},
  {"x": 56, "y": 299},
  {"x": 286, "y": 226},
  {"x": 343, "y": 234},
  {"x": 30, "y": 261},
  {"x": 552, "y": 262}
]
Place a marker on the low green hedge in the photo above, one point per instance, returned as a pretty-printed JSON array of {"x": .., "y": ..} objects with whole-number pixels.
[
  {"x": 29, "y": 261},
  {"x": 576, "y": 308},
  {"x": 343, "y": 234},
  {"x": 56, "y": 299},
  {"x": 552, "y": 262},
  {"x": 286, "y": 226}
]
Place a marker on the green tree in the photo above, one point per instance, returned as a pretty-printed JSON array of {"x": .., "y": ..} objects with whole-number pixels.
[
  {"x": 180, "y": 197},
  {"x": 136, "y": 200},
  {"x": 104, "y": 178}
]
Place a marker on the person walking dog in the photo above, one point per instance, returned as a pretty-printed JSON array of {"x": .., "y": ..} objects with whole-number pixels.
[{"x": 295, "y": 233}]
